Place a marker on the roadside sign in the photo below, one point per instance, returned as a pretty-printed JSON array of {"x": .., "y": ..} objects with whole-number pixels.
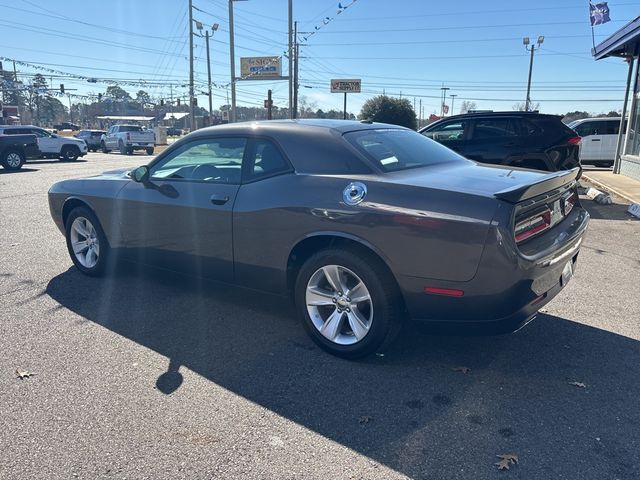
[
  {"x": 346, "y": 86},
  {"x": 257, "y": 68}
]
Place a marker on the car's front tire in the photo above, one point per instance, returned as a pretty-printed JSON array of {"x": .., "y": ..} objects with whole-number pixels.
[
  {"x": 349, "y": 302},
  {"x": 86, "y": 242},
  {"x": 13, "y": 160},
  {"x": 70, "y": 154}
]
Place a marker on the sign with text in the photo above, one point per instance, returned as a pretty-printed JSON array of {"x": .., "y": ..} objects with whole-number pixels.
[
  {"x": 257, "y": 68},
  {"x": 346, "y": 86}
]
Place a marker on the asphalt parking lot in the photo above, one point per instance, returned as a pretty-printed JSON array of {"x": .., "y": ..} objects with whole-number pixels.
[{"x": 150, "y": 375}]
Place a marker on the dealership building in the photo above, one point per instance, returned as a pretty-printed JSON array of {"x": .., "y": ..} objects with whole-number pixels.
[{"x": 625, "y": 44}]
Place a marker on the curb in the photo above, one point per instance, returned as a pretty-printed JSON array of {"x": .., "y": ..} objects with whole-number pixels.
[{"x": 608, "y": 188}]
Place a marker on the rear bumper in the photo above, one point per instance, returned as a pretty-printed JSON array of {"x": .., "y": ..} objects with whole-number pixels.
[{"x": 509, "y": 287}]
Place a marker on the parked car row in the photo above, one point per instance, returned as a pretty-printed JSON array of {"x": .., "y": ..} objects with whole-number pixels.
[{"x": 50, "y": 145}]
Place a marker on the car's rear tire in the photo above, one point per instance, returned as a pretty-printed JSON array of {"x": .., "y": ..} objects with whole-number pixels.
[
  {"x": 350, "y": 304},
  {"x": 70, "y": 154},
  {"x": 13, "y": 160},
  {"x": 150, "y": 150},
  {"x": 104, "y": 148},
  {"x": 86, "y": 242},
  {"x": 129, "y": 150}
]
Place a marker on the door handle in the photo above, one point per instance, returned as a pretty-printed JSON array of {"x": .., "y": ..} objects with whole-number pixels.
[
  {"x": 219, "y": 199},
  {"x": 595, "y": 139}
]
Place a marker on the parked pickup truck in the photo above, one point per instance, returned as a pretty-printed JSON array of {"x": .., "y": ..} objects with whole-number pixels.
[
  {"x": 14, "y": 150},
  {"x": 127, "y": 138}
]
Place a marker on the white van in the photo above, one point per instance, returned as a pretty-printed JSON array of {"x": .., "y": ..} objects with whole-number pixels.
[{"x": 599, "y": 139}]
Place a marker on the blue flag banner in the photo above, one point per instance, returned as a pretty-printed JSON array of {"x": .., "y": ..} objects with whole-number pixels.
[{"x": 599, "y": 13}]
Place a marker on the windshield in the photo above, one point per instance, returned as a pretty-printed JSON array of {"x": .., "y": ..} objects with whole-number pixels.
[{"x": 392, "y": 150}]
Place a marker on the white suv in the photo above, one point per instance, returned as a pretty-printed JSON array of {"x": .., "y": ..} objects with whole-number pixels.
[
  {"x": 50, "y": 144},
  {"x": 599, "y": 139}
]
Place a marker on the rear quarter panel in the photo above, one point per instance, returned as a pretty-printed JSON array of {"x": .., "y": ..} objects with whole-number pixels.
[{"x": 417, "y": 231}]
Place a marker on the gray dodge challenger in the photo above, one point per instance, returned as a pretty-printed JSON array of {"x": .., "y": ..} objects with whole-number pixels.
[{"x": 363, "y": 224}]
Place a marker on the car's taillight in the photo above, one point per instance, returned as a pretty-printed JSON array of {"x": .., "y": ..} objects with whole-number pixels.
[
  {"x": 529, "y": 226},
  {"x": 569, "y": 202},
  {"x": 574, "y": 140}
]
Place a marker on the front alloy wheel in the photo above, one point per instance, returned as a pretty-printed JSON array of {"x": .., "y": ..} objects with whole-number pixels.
[
  {"x": 86, "y": 242},
  {"x": 339, "y": 305}
]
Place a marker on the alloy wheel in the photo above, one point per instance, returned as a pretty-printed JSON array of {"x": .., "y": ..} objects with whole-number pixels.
[
  {"x": 339, "y": 304},
  {"x": 85, "y": 242},
  {"x": 13, "y": 160}
]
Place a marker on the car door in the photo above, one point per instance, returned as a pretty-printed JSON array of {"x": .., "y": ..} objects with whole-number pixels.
[
  {"x": 494, "y": 140},
  {"x": 47, "y": 143},
  {"x": 591, "y": 144},
  {"x": 182, "y": 216},
  {"x": 111, "y": 139},
  {"x": 450, "y": 133},
  {"x": 610, "y": 140}
]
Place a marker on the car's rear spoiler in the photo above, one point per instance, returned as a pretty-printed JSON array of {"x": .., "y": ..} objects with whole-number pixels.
[{"x": 547, "y": 183}]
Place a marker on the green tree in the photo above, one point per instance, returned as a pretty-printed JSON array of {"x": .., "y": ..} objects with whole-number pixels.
[
  {"x": 143, "y": 98},
  {"x": 389, "y": 110}
]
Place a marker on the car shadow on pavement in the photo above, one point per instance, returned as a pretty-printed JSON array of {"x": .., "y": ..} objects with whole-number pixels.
[{"x": 561, "y": 395}]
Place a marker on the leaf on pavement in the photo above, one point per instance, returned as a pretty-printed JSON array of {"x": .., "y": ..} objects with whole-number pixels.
[
  {"x": 364, "y": 420},
  {"x": 506, "y": 460},
  {"x": 578, "y": 384},
  {"x": 461, "y": 369},
  {"x": 23, "y": 374}
]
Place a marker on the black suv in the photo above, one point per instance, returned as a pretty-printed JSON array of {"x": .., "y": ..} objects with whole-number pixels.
[{"x": 519, "y": 139}]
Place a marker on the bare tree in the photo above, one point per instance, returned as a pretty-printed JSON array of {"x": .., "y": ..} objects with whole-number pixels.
[
  {"x": 520, "y": 107},
  {"x": 467, "y": 105}
]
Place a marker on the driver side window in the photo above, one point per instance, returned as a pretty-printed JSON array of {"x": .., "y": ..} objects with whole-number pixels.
[{"x": 216, "y": 160}]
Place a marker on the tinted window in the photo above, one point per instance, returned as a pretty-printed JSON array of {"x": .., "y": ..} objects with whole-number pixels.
[
  {"x": 490, "y": 128},
  {"x": 266, "y": 160},
  {"x": 448, "y": 131},
  {"x": 393, "y": 150},
  {"x": 40, "y": 133},
  {"x": 529, "y": 128},
  {"x": 16, "y": 131},
  {"x": 214, "y": 160},
  {"x": 129, "y": 128}
]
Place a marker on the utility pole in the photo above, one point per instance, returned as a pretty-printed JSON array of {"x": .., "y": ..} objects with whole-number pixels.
[
  {"x": 192, "y": 121},
  {"x": 71, "y": 108},
  {"x": 525, "y": 42},
  {"x": 291, "y": 115},
  {"x": 269, "y": 105},
  {"x": 232, "y": 62},
  {"x": 444, "y": 96},
  {"x": 420, "y": 115},
  {"x": 295, "y": 71},
  {"x": 453, "y": 98}
]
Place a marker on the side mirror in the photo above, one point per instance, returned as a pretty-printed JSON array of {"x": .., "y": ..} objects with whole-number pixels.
[{"x": 140, "y": 174}]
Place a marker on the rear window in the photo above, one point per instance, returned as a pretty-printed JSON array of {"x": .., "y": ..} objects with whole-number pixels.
[
  {"x": 392, "y": 150},
  {"x": 129, "y": 128}
]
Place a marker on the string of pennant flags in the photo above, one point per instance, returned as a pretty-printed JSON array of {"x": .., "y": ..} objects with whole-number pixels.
[{"x": 327, "y": 20}]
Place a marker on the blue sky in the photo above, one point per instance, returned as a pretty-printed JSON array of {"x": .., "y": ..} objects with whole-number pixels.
[{"x": 404, "y": 47}]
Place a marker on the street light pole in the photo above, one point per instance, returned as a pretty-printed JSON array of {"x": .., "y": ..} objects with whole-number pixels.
[
  {"x": 525, "y": 42},
  {"x": 214, "y": 27},
  {"x": 291, "y": 115}
]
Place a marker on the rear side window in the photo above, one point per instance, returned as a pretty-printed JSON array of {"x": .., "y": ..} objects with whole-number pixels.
[
  {"x": 448, "y": 131},
  {"x": 392, "y": 150},
  {"x": 265, "y": 160},
  {"x": 490, "y": 128}
]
